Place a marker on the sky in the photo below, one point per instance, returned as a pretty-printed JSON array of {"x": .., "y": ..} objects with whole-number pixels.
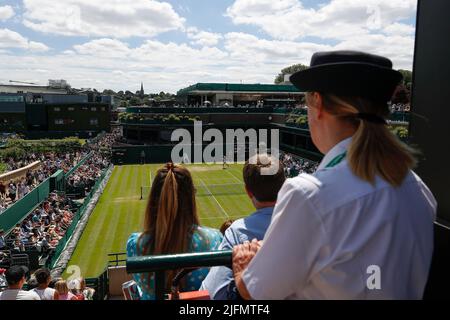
[{"x": 169, "y": 45}]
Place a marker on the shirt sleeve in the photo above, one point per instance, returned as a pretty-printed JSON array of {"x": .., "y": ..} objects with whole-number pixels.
[
  {"x": 219, "y": 278},
  {"x": 291, "y": 245}
]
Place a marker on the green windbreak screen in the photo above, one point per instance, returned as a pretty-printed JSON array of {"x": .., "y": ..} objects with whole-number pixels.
[{"x": 19, "y": 210}]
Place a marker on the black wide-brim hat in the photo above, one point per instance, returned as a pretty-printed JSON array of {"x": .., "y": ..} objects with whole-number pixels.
[{"x": 349, "y": 73}]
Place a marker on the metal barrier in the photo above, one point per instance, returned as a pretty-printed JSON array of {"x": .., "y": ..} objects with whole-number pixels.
[
  {"x": 100, "y": 285},
  {"x": 114, "y": 259},
  {"x": 159, "y": 264}
]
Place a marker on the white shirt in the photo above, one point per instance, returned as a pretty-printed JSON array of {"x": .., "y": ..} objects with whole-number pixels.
[
  {"x": 45, "y": 294},
  {"x": 329, "y": 228},
  {"x": 17, "y": 294}
]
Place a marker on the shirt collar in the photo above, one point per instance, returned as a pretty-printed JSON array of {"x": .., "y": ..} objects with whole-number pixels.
[
  {"x": 266, "y": 210},
  {"x": 338, "y": 149}
]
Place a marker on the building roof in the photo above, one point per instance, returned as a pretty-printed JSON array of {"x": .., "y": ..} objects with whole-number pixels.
[
  {"x": 235, "y": 87},
  {"x": 16, "y": 88}
]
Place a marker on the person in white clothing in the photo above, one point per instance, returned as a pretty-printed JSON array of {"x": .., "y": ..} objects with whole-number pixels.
[
  {"x": 360, "y": 227},
  {"x": 44, "y": 278},
  {"x": 15, "y": 276}
]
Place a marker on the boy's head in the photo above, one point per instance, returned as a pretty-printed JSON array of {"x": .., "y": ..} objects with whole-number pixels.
[
  {"x": 262, "y": 187},
  {"x": 16, "y": 275}
]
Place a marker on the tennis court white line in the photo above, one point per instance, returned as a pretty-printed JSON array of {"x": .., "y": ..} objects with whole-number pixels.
[
  {"x": 236, "y": 178},
  {"x": 223, "y": 210}
]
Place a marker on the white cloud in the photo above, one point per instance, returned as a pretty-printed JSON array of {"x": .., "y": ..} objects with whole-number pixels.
[
  {"x": 6, "y": 12},
  {"x": 104, "y": 48},
  {"x": 109, "y": 61},
  {"x": 399, "y": 49},
  {"x": 247, "y": 47},
  {"x": 374, "y": 25},
  {"x": 12, "y": 39},
  {"x": 400, "y": 29},
  {"x": 338, "y": 19},
  {"x": 203, "y": 38},
  {"x": 115, "y": 18}
]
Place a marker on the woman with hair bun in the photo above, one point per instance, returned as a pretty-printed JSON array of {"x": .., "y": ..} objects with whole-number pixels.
[{"x": 172, "y": 225}]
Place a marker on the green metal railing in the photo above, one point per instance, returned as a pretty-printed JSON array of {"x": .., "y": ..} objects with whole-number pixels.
[
  {"x": 159, "y": 264},
  {"x": 100, "y": 285}
]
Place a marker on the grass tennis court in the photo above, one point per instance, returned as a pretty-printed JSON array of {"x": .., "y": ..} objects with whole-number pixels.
[{"x": 119, "y": 211}]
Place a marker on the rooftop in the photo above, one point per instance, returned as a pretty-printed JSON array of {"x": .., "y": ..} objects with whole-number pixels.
[{"x": 237, "y": 87}]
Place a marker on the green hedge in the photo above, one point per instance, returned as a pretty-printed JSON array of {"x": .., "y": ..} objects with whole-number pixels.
[{"x": 18, "y": 148}]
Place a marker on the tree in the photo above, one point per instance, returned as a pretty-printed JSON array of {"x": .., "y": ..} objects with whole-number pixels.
[
  {"x": 123, "y": 104},
  {"x": 134, "y": 101},
  {"x": 289, "y": 70},
  {"x": 148, "y": 101},
  {"x": 407, "y": 77},
  {"x": 109, "y": 92}
]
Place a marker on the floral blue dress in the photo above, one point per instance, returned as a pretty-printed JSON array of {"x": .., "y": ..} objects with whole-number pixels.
[{"x": 203, "y": 239}]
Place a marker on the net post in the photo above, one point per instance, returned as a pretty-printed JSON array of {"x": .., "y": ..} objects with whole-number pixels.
[{"x": 141, "y": 193}]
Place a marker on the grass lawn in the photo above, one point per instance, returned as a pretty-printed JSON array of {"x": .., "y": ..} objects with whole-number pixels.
[{"x": 120, "y": 212}]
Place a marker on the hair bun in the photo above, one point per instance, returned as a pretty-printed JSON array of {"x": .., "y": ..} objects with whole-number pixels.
[{"x": 170, "y": 166}]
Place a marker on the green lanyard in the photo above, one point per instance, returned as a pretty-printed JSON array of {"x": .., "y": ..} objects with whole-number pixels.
[{"x": 338, "y": 159}]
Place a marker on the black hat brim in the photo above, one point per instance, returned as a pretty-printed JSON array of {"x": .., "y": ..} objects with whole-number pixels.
[{"x": 349, "y": 79}]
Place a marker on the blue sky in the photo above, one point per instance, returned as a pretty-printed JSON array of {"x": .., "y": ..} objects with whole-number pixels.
[{"x": 173, "y": 43}]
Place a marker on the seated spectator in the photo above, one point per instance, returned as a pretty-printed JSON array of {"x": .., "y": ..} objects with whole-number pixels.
[
  {"x": 2, "y": 240},
  {"x": 32, "y": 284},
  {"x": 63, "y": 291},
  {"x": 16, "y": 277},
  {"x": 172, "y": 225},
  {"x": 43, "y": 279},
  {"x": 262, "y": 189},
  {"x": 87, "y": 292},
  {"x": 2, "y": 190},
  {"x": 12, "y": 191},
  {"x": 74, "y": 286}
]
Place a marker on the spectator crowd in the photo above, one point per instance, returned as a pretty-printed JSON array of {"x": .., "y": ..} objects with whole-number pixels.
[
  {"x": 16, "y": 189},
  {"x": 85, "y": 176},
  {"x": 295, "y": 165},
  {"x": 47, "y": 224}
]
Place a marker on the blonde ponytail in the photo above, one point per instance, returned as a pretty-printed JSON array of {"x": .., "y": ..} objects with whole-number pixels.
[
  {"x": 374, "y": 150},
  {"x": 167, "y": 213},
  {"x": 170, "y": 216}
]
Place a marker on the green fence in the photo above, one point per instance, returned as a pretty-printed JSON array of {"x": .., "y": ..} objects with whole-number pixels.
[
  {"x": 19, "y": 210},
  {"x": 57, "y": 181},
  {"x": 78, "y": 215}
]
